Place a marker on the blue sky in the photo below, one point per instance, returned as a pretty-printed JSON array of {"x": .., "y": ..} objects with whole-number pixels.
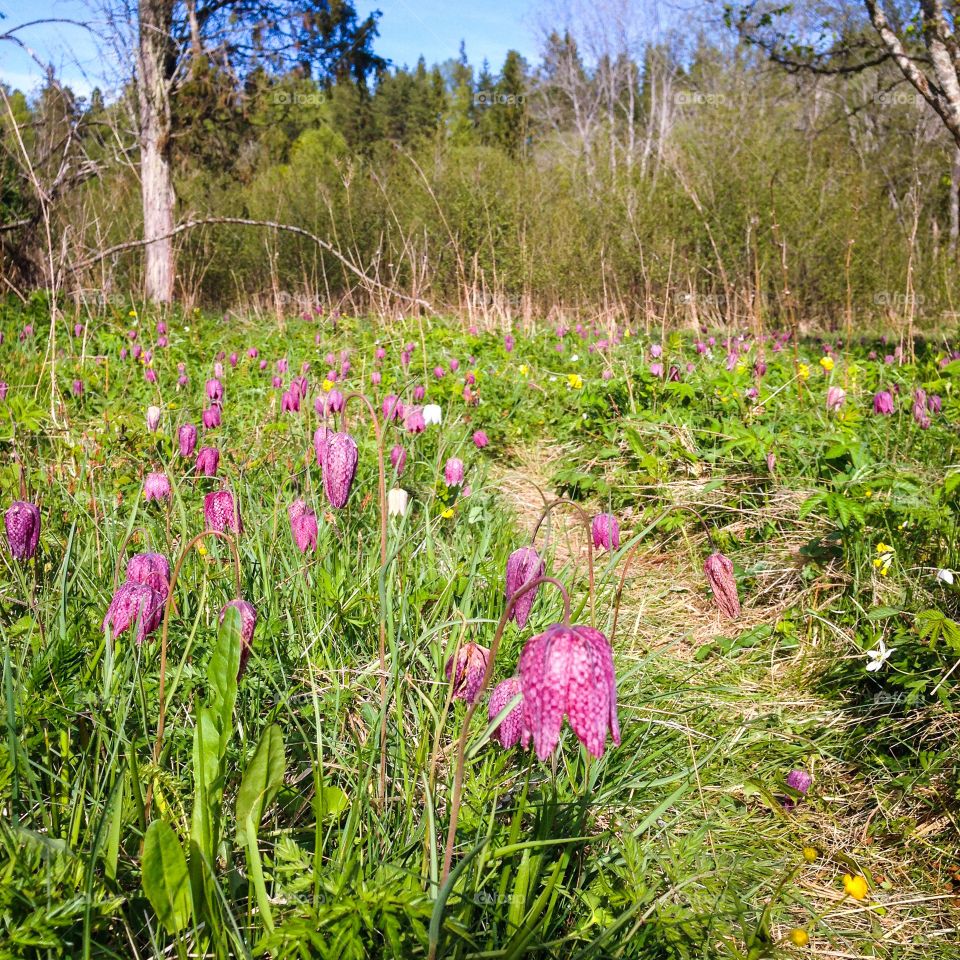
[{"x": 408, "y": 28}]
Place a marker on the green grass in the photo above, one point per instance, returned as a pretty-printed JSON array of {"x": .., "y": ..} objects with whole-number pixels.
[{"x": 675, "y": 844}]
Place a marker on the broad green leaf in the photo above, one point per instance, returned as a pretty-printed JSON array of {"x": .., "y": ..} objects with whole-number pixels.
[
  {"x": 261, "y": 781},
  {"x": 165, "y": 880},
  {"x": 331, "y": 802}
]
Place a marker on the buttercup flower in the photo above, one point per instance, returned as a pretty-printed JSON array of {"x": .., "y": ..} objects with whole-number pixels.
[
  {"x": 719, "y": 570},
  {"x": 512, "y": 726},
  {"x": 606, "y": 531},
  {"x": 156, "y": 487},
  {"x": 340, "y": 457},
  {"x": 248, "y": 623},
  {"x": 221, "y": 513},
  {"x": 523, "y": 565},
  {"x": 471, "y": 665},
  {"x": 855, "y": 886},
  {"x": 22, "y": 521},
  {"x": 152, "y": 569},
  {"x": 569, "y": 670},
  {"x": 134, "y": 604}
]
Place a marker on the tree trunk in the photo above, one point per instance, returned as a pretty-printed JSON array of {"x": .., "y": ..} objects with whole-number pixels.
[
  {"x": 155, "y": 63},
  {"x": 954, "y": 203}
]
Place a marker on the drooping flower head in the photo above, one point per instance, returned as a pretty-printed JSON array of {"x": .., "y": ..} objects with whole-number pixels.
[
  {"x": 512, "y": 726},
  {"x": 606, "y": 531},
  {"x": 153, "y": 418},
  {"x": 248, "y": 623},
  {"x": 432, "y": 414},
  {"x": 568, "y": 670},
  {"x": 187, "y": 437},
  {"x": 211, "y": 417},
  {"x": 397, "y": 501},
  {"x": 719, "y": 570},
  {"x": 883, "y": 402},
  {"x": 471, "y": 664},
  {"x": 22, "y": 521},
  {"x": 221, "y": 513},
  {"x": 156, "y": 486},
  {"x": 480, "y": 439},
  {"x": 398, "y": 458},
  {"x": 303, "y": 524},
  {"x": 392, "y": 407},
  {"x": 835, "y": 398},
  {"x": 134, "y": 604},
  {"x": 208, "y": 459},
  {"x": 523, "y": 565},
  {"x": 214, "y": 390},
  {"x": 413, "y": 420},
  {"x": 340, "y": 457},
  {"x": 151, "y": 569},
  {"x": 453, "y": 472},
  {"x": 319, "y": 442}
]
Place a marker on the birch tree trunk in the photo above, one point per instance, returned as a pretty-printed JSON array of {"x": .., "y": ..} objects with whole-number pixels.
[{"x": 155, "y": 67}]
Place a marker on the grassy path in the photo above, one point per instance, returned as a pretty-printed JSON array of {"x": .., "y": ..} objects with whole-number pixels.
[{"x": 726, "y": 714}]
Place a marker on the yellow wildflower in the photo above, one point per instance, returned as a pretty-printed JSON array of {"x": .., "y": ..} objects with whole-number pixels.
[
  {"x": 132, "y": 313},
  {"x": 327, "y": 385},
  {"x": 855, "y": 886},
  {"x": 809, "y": 854},
  {"x": 827, "y": 363},
  {"x": 803, "y": 371},
  {"x": 575, "y": 380},
  {"x": 201, "y": 549},
  {"x": 798, "y": 937},
  {"x": 447, "y": 514},
  {"x": 524, "y": 369}
]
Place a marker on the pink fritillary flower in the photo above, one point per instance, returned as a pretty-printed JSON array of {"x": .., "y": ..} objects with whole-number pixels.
[
  {"x": 156, "y": 487},
  {"x": 248, "y": 623},
  {"x": 340, "y": 457},
  {"x": 471, "y": 664},
  {"x": 303, "y": 524},
  {"x": 22, "y": 521},
  {"x": 151, "y": 569},
  {"x": 523, "y": 565},
  {"x": 512, "y": 727},
  {"x": 134, "y": 604},
  {"x": 719, "y": 570},
  {"x": 220, "y": 512},
  {"x": 568, "y": 670},
  {"x": 606, "y": 531}
]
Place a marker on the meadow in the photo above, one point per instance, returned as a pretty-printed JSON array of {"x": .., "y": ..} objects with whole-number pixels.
[{"x": 333, "y": 636}]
